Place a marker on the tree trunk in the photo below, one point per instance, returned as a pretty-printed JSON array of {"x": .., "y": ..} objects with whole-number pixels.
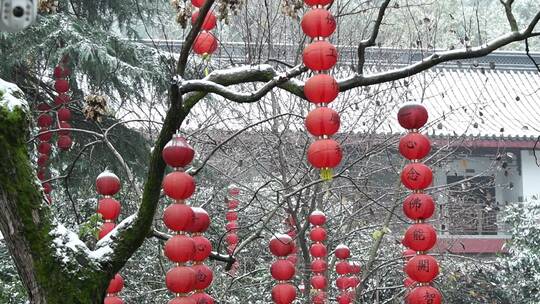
[{"x": 51, "y": 271}]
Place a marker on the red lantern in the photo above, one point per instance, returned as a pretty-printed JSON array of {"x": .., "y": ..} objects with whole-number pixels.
[
  {"x": 41, "y": 174},
  {"x": 281, "y": 245},
  {"x": 421, "y": 237},
  {"x": 282, "y": 270},
  {"x": 61, "y": 72},
  {"x": 231, "y": 226},
  {"x": 203, "y": 247},
  {"x": 202, "y": 298},
  {"x": 178, "y": 217},
  {"x": 343, "y": 267},
  {"x": 232, "y": 238},
  {"x": 318, "y": 22},
  {"x": 44, "y": 120},
  {"x": 178, "y": 185},
  {"x": 319, "y": 298},
  {"x": 209, "y": 22},
  {"x": 318, "y": 266},
  {"x": 318, "y": 250},
  {"x": 109, "y": 208},
  {"x": 416, "y": 176},
  {"x": 61, "y": 85},
  {"x": 344, "y": 298},
  {"x": 320, "y": 56},
  {"x": 47, "y": 188},
  {"x": 107, "y": 183},
  {"x": 179, "y": 248},
  {"x": 42, "y": 160},
  {"x": 412, "y": 116},
  {"x": 319, "y": 282},
  {"x": 408, "y": 282},
  {"x": 45, "y": 136},
  {"x": 201, "y": 221},
  {"x": 343, "y": 252},
  {"x": 116, "y": 284},
  {"x": 43, "y": 107},
  {"x": 292, "y": 258},
  {"x": 355, "y": 268},
  {"x": 64, "y": 114},
  {"x": 105, "y": 229},
  {"x": 183, "y": 300},
  {"x": 178, "y": 153},
  {"x": 233, "y": 204},
  {"x": 324, "y": 153},
  {"x": 318, "y": 2},
  {"x": 424, "y": 295},
  {"x": 317, "y": 234},
  {"x": 283, "y": 293},
  {"x": 414, "y": 146},
  {"x": 317, "y": 218},
  {"x": 323, "y": 121},
  {"x": 203, "y": 276},
  {"x": 205, "y": 43},
  {"x": 321, "y": 88},
  {"x": 64, "y": 142},
  {"x": 231, "y": 216},
  {"x": 180, "y": 279},
  {"x": 422, "y": 268},
  {"x": 408, "y": 254},
  {"x": 198, "y": 3},
  {"x": 61, "y": 99},
  {"x": 342, "y": 283},
  {"x": 113, "y": 300},
  {"x": 354, "y": 281},
  {"x": 418, "y": 206},
  {"x": 234, "y": 191},
  {"x": 64, "y": 125},
  {"x": 44, "y": 148}
]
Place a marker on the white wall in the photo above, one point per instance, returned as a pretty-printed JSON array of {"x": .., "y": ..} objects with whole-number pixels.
[{"x": 531, "y": 174}]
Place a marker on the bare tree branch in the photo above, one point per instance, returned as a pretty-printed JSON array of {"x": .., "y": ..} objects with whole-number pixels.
[
  {"x": 364, "y": 44},
  {"x": 509, "y": 15}
]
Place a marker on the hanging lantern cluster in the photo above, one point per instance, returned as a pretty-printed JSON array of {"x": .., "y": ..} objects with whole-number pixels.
[
  {"x": 205, "y": 43},
  {"x": 182, "y": 219},
  {"x": 343, "y": 269},
  {"x": 354, "y": 279},
  {"x": 282, "y": 269},
  {"x": 420, "y": 237},
  {"x": 318, "y": 253},
  {"x": 232, "y": 226},
  {"x": 61, "y": 86},
  {"x": 321, "y": 89},
  {"x": 44, "y": 122},
  {"x": 108, "y": 184}
]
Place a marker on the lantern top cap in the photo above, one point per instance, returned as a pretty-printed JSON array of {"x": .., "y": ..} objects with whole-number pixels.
[
  {"x": 342, "y": 246},
  {"x": 317, "y": 212},
  {"x": 107, "y": 173}
]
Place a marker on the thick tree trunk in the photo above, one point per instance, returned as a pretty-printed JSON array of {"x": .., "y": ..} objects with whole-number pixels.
[{"x": 51, "y": 271}]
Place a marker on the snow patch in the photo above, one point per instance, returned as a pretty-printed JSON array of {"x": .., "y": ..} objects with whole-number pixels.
[{"x": 11, "y": 96}]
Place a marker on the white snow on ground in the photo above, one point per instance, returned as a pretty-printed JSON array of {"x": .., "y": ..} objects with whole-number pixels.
[{"x": 11, "y": 96}]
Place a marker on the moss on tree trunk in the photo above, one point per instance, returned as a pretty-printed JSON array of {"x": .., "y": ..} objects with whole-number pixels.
[{"x": 26, "y": 223}]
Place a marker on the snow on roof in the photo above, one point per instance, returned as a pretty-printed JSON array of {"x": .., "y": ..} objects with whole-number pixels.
[{"x": 11, "y": 96}]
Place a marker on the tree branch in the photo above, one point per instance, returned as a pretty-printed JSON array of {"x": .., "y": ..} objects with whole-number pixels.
[
  {"x": 364, "y": 44},
  {"x": 509, "y": 15}
]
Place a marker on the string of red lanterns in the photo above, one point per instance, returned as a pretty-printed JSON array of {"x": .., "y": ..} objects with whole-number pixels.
[
  {"x": 61, "y": 85},
  {"x": 290, "y": 224},
  {"x": 420, "y": 237},
  {"x": 182, "y": 219},
  {"x": 44, "y": 122},
  {"x": 321, "y": 89},
  {"x": 343, "y": 269},
  {"x": 354, "y": 279},
  {"x": 108, "y": 184},
  {"x": 231, "y": 227},
  {"x": 282, "y": 269},
  {"x": 205, "y": 43},
  {"x": 318, "y": 253}
]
